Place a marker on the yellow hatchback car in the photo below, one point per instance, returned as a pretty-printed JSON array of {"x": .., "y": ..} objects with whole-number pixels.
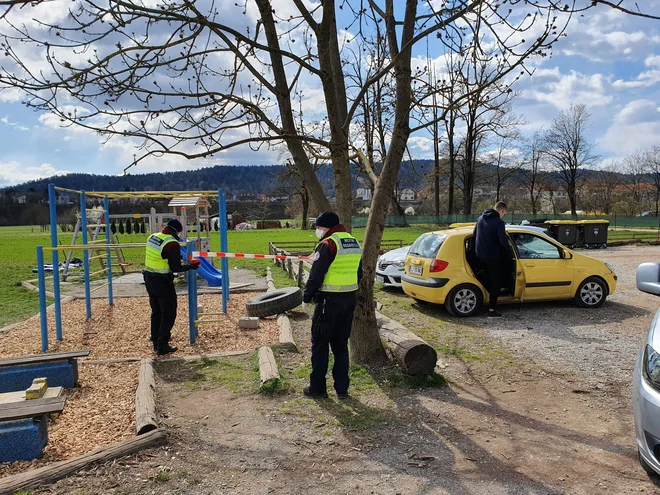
[{"x": 442, "y": 268}]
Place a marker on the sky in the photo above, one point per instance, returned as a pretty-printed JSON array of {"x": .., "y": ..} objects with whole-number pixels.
[{"x": 608, "y": 61}]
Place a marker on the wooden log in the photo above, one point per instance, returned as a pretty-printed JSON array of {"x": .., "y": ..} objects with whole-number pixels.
[
  {"x": 286, "y": 334},
  {"x": 269, "y": 280},
  {"x": 412, "y": 353},
  {"x": 37, "y": 478},
  {"x": 267, "y": 365},
  {"x": 145, "y": 399}
]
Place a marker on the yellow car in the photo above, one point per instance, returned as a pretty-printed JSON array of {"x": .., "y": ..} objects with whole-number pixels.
[{"x": 442, "y": 268}]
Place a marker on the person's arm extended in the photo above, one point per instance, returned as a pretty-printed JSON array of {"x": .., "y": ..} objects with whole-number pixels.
[
  {"x": 172, "y": 253},
  {"x": 501, "y": 234},
  {"x": 323, "y": 259}
]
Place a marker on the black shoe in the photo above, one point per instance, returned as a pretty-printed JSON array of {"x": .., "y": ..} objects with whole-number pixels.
[
  {"x": 494, "y": 314},
  {"x": 166, "y": 350},
  {"x": 343, "y": 396},
  {"x": 314, "y": 395}
]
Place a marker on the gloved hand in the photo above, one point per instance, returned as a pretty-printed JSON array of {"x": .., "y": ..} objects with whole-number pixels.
[{"x": 195, "y": 263}]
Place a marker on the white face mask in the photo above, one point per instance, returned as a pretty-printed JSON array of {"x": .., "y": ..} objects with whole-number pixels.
[{"x": 320, "y": 233}]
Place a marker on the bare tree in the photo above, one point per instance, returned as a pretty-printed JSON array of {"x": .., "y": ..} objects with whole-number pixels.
[
  {"x": 504, "y": 158},
  {"x": 635, "y": 169},
  {"x": 568, "y": 150},
  {"x": 652, "y": 167},
  {"x": 532, "y": 170}
]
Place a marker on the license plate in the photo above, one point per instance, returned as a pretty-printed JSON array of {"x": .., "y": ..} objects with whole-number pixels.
[
  {"x": 380, "y": 279},
  {"x": 415, "y": 270}
]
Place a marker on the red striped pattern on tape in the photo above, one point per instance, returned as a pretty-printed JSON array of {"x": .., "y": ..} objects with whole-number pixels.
[{"x": 208, "y": 254}]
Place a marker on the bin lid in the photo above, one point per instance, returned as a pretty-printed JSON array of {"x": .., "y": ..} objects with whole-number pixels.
[
  {"x": 594, "y": 221},
  {"x": 464, "y": 224},
  {"x": 562, "y": 222}
]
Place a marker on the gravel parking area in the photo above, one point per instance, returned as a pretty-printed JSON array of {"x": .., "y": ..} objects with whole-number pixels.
[{"x": 599, "y": 345}]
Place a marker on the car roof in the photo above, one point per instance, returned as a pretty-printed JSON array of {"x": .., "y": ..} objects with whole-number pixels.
[{"x": 521, "y": 229}]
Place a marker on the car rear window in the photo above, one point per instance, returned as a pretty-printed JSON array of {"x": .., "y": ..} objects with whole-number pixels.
[{"x": 427, "y": 245}]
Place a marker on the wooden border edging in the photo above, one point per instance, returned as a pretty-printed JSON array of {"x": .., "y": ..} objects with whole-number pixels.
[
  {"x": 53, "y": 472},
  {"x": 267, "y": 365},
  {"x": 283, "y": 323},
  {"x": 412, "y": 353},
  {"x": 145, "y": 399}
]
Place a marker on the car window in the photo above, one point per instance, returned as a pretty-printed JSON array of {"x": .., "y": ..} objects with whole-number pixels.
[
  {"x": 427, "y": 245},
  {"x": 530, "y": 246}
]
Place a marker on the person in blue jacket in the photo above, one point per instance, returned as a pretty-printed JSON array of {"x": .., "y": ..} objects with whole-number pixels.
[{"x": 492, "y": 246}]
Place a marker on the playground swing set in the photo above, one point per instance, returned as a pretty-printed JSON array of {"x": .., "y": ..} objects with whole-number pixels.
[{"x": 185, "y": 205}]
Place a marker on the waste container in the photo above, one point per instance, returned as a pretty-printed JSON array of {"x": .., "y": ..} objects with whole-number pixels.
[
  {"x": 593, "y": 233},
  {"x": 564, "y": 231}
]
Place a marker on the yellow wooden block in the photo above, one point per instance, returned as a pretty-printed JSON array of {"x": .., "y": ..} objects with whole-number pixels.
[{"x": 37, "y": 389}]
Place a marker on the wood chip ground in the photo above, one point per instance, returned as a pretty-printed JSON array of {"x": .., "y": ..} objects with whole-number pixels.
[
  {"x": 123, "y": 329},
  {"x": 102, "y": 411},
  {"x": 97, "y": 414}
]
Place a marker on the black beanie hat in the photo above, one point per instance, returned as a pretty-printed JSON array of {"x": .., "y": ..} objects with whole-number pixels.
[
  {"x": 327, "y": 219},
  {"x": 175, "y": 225}
]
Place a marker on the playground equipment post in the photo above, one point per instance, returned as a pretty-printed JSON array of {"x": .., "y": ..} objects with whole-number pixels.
[
  {"x": 106, "y": 221},
  {"x": 52, "y": 199},
  {"x": 42, "y": 299},
  {"x": 83, "y": 220},
  {"x": 224, "y": 263}
]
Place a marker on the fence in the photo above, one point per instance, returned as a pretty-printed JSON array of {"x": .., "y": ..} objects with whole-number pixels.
[{"x": 648, "y": 222}]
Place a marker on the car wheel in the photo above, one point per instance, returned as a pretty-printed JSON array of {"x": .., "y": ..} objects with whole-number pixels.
[
  {"x": 591, "y": 293},
  {"x": 464, "y": 300},
  {"x": 645, "y": 466}
]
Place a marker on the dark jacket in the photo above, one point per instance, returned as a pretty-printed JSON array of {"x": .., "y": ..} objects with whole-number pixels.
[
  {"x": 491, "y": 240},
  {"x": 323, "y": 257}
]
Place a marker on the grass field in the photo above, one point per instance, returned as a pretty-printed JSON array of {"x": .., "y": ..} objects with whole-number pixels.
[{"x": 18, "y": 258}]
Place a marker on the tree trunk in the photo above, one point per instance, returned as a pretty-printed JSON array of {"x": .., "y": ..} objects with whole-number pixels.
[
  {"x": 436, "y": 168},
  {"x": 283, "y": 95},
  {"x": 366, "y": 346},
  {"x": 305, "y": 209},
  {"x": 452, "y": 168}
]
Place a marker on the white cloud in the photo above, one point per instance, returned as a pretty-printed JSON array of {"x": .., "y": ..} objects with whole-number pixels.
[
  {"x": 635, "y": 127},
  {"x": 5, "y": 120},
  {"x": 15, "y": 173},
  {"x": 562, "y": 90}
]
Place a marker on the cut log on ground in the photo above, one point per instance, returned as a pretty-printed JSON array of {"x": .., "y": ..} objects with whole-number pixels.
[
  {"x": 286, "y": 334},
  {"x": 267, "y": 365},
  {"x": 414, "y": 355},
  {"x": 48, "y": 474},
  {"x": 145, "y": 399}
]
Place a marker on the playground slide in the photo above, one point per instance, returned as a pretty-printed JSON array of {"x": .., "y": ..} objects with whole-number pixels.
[{"x": 210, "y": 273}]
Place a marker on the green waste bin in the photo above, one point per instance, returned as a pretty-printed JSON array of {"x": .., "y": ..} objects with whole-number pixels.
[
  {"x": 564, "y": 231},
  {"x": 593, "y": 233}
]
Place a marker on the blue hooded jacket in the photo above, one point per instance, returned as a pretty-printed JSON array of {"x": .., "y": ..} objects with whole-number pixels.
[{"x": 491, "y": 240}]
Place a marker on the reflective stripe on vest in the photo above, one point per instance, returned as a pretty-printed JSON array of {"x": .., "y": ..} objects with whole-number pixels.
[
  {"x": 154, "y": 262},
  {"x": 342, "y": 273}
]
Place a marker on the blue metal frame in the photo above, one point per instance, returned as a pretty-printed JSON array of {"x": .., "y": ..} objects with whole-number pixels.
[
  {"x": 108, "y": 234},
  {"x": 192, "y": 296},
  {"x": 224, "y": 262},
  {"x": 83, "y": 225},
  {"x": 43, "y": 316},
  {"x": 52, "y": 200}
]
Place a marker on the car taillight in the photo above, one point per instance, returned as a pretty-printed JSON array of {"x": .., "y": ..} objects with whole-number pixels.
[{"x": 438, "y": 266}]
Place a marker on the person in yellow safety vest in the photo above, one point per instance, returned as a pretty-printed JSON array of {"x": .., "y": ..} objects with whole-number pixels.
[
  {"x": 162, "y": 260},
  {"x": 332, "y": 285}
]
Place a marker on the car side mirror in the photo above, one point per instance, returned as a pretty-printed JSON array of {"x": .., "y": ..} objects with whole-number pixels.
[
  {"x": 648, "y": 278},
  {"x": 566, "y": 255}
]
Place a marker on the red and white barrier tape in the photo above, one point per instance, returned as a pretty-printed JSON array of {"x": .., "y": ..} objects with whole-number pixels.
[{"x": 205, "y": 254}]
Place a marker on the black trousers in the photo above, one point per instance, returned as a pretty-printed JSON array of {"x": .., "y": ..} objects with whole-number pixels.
[
  {"x": 162, "y": 298},
  {"x": 494, "y": 270},
  {"x": 331, "y": 327}
]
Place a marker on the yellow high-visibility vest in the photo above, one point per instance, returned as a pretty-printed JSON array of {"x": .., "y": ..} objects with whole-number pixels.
[
  {"x": 342, "y": 273},
  {"x": 154, "y": 262}
]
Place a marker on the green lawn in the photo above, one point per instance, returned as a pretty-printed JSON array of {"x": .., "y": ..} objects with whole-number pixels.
[{"x": 18, "y": 257}]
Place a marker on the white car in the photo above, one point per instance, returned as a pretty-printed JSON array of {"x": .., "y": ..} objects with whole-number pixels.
[
  {"x": 390, "y": 267},
  {"x": 646, "y": 380}
]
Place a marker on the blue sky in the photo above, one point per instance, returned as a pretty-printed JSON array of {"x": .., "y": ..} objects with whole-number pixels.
[{"x": 608, "y": 61}]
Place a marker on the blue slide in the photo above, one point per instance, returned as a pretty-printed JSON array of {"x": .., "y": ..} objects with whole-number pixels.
[{"x": 210, "y": 273}]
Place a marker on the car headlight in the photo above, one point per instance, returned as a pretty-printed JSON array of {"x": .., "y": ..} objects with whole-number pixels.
[
  {"x": 652, "y": 366},
  {"x": 610, "y": 268},
  {"x": 400, "y": 264}
]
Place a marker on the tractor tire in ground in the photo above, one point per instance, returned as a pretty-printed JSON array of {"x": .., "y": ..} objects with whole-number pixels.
[{"x": 275, "y": 302}]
